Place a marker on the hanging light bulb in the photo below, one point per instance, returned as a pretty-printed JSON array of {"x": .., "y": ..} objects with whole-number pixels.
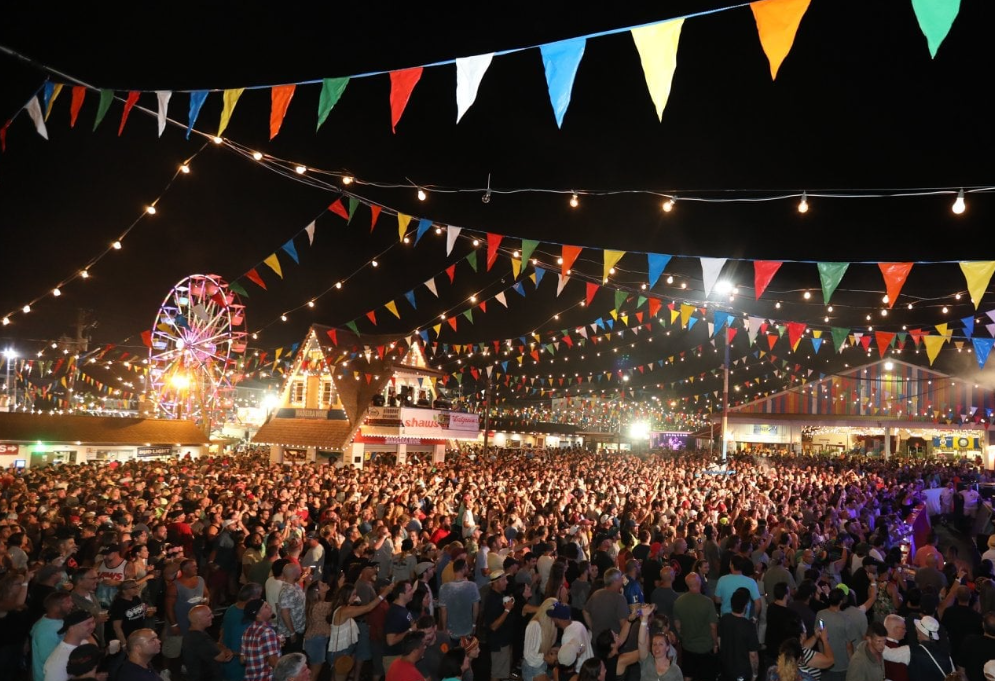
[
  {"x": 258, "y": 155},
  {"x": 670, "y": 279},
  {"x": 85, "y": 274},
  {"x": 375, "y": 263},
  {"x": 218, "y": 140},
  {"x": 310, "y": 303},
  {"x": 668, "y": 205},
  {"x": 422, "y": 195},
  {"x": 283, "y": 318},
  {"x": 6, "y": 321},
  {"x": 56, "y": 292},
  {"x": 300, "y": 170},
  {"x": 807, "y": 295},
  {"x": 574, "y": 201},
  {"x": 338, "y": 284},
  {"x": 347, "y": 179},
  {"x": 26, "y": 309},
  {"x": 150, "y": 210},
  {"x": 116, "y": 245},
  {"x": 803, "y": 204},
  {"x": 185, "y": 169},
  {"x": 959, "y": 205}
]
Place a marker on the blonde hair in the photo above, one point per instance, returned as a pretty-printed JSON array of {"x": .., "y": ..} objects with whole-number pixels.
[{"x": 546, "y": 625}]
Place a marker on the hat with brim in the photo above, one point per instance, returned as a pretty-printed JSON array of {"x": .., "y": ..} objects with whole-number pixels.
[
  {"x": 252, "y": 608},
  {"x": 74, "y": 618},
  {"x": 496, "y": 575},
  {"x": 423, "y": 567},
  {"x": 928, "y": 627},
  {"x": 560, "y": 611},
  {"x": 83, "y": 659}
]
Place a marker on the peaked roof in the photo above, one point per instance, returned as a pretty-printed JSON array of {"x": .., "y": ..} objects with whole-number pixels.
[{"x": 105, "y": 430}]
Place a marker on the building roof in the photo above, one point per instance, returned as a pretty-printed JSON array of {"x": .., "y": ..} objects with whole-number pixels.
[
  {"x": 333, "y": 435},
  {"x": 105, "y": 430}
]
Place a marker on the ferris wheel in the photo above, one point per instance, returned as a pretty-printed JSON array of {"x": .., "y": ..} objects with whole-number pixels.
[{"x": 197, "y": 338}]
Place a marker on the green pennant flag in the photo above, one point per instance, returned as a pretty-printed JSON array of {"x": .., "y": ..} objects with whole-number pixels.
[
  {"x": 830, "y": 273},
  {"x": 528, "y": 246},
  {"x": 459, "y": 377},
  {"x": 550, "y": 349},
  {"x": 619, "y": 299},
  {"x": 781, "y": 328},
  {"x": 472, "y": 259},
  {"x": 839, "y": 337},
  {"x": 469, "y": 314},
  {"x": 935, "y": 19},
  {"x": 352, "y": 326},
  {"x": 331, "y": 90},
  {"x": 237, "y": 288},
  {"x": 640, "y": 301},
  {"x": 106, "y": 97},
  {"x": 353, "y": 205},
  {"x": 902, "y": 335}
]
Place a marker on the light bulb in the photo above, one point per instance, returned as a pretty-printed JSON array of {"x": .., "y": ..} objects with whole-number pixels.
[
  {"x": 310, "y": 303},
  {"x": 6, "y": 321},
  {"x": 559, "y": 261},
  {"x": 347, "y": 179},
  {"x": 422, "y": 195},
  {"x": 85, "y": 274},
  {"x": 803, "y": 204},
  {"x": 910, "y": 306},
  {"x": 777, "y": 305},
  {"x": 670, "y": 279},
  {"x": 26, "y": 309},
  {"x": 407, "y": 240},
  {"x": 218, "y": 140},
  {"x": 150, "y": 210},
  {"x": 116, "y": 245},
  {"x": 301, "y": 170},
  {"x": 438, "y": 230},
  {"x": 375, "y": 263},
  {"x": 476, "y": 242},
  {"x": 185, "y": 169},
  {"x": 283, "y": 318},
  {"x": 884, "y": 312},
  {"x": 945, "y": 310},
  {"x": 807, "y": 295},
  {"x": 338, "y": 284},
  {"x": 829, "y": 309},
  {"x": 574, "y": 201},
  {"x": 56, "y": 292},
  {"x": 959, "y": 206},
  {"x": 684, "y": 284},
  {"x": 258, "y": 155},
  {"x": 668, "y": 205}
]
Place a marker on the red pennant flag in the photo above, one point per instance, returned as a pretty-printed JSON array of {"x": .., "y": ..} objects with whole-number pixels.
[
  {"x": 3, "y": 136},
  {"x": 369, "y": 377},
  {"x": 772, "y": 340},
  {"x": 474, "y": 373},
  {"x": 254, "y": 276},
  {"x": 128, "y": 105},
  {"x": 333, "y": 336},
  {"x": 493, "y": 241},
  {"x": 639, "y": 317},
  {"x": 372, "y": 316},
  {"x": 895, "y": 274},
  {"x": 79, "y": 93},
  {"x": 654, "y": 305},
  {"x": 732, "y": 333},
  {"x": 569, "y": 341},
  {"x": 763, "y": 272},
  {"x": 917, "y": 335},
  {"x": 451, "y": 271},
  {"x": 147, "y": 339},
  {"x": 483, "y": 306},
  {"x": 401, "y": 85},
  {"x": 339, "y": 209},
  {"x": 535, "y": 355},
  {"x": 497, "y": 347},
  {"x": 280, "y": 97},
  {"x": 795, "y": 331},
  {"x": 883, "y": 339},
  {"x": 570, "y": 254},
  {"x": 591, "y": 290},
  {"x": 865, "y": 341},
  {"x": 380, "y": 350},
  {"x": 375, "y": 210},
  {"x": 219, "y": 299},
  {"x": 452, "y": 322}
]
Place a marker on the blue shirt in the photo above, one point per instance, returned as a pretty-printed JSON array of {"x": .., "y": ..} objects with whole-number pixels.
[{"x": 727, "y": 587}]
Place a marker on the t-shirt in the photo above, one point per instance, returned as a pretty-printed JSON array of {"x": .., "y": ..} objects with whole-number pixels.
[
  {"x": 727, "y": 587},
  {"x": 130, "y": 612},
  {"x": 738, "y": 638},
  {"x": 606, "y": 608},
  {"x": 129, "y": 671},
  {"x": 44, "y": 638},
  {"x": 199, "y": 652},
  {"x": 55, "y": 665},
  {"x": 839, "y": 630},
  {"x": 493, "y": 610},
  {"x": 696, "y": 613},
  {"x": 402, "y": 670},
  {"x": 664, "y": 600},
  {"x": 975, "y": 651},
  {"x": 458, "y": 599},
  {"x": 398, "y": 621}
]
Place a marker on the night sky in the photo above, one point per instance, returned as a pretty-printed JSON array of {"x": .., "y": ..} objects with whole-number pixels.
[{"x": 859, "y": 107}]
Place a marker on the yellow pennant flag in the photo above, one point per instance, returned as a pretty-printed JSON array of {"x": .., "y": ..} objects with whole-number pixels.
[
  {"x": 777, "y": 24},
  {"x": 231, "y": 99},
  {"x": 817, "y": 334},
  {"x": 437, "y": 328},
  {"x": 945, "y": 333},
  {"x": 402, "y": 225},
  {"x": 279, "y": 351},
  {"x": 614, "y": 314},
  {"x": 56, "y": 89},
  {"x": 533, "y": 278},
  {"x": 674, "y": 314},
  {"x": 978, "y": 274},
  {"x": 392, "y": 306},
  {"x": 516, "y": 266},
  {"x": 686, "y": 312},
  {"x": 611, "y": 258},
  {"x": 625, "y": 319},
  {"x": 657, "y": 47},
  {"x": 933, "y": 345},
  {"x": 274, "y": 264},
  {"x": 520, "y": 358}
]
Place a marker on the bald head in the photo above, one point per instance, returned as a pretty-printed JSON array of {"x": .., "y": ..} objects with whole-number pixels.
[
  {"x": 200, "y": 617},
  {"x": 693, "y": 581}
]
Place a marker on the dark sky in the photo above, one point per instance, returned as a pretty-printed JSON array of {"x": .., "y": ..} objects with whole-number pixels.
[{"x": 859, "y": 106}]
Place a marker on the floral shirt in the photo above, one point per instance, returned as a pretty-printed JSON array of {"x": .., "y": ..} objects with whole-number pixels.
[{"x": 292, "y": 599}]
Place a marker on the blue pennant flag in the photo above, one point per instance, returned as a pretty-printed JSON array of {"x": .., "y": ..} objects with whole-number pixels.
[
  {"x": 691, "y": 322},
  {"x": 291, "y": 250},
  {"x": 424, "y": 335},
  {"x": 504, "y": 366},
  {"x": 968, "y": 323},
  {"x": 423, "y": 226},
  {"x": 539, "y": 272},
  {"x": 721, "y": 318},
  {"x": 657, "y": 264},
  {"x": 982, "y": 346},
  {"x": 410, "y": 295},
  {"x": 197, "y": 98},
  {"x": 816, "y": 343},
  {"x": 561, "y": 61},
  {"x": 519, "y": 289},
  {"x": 611, "y": 323},
  {"x": 49, "y": 89}
]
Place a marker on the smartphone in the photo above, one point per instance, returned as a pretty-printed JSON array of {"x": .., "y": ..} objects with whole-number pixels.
[{"x": 822, "y": 624}]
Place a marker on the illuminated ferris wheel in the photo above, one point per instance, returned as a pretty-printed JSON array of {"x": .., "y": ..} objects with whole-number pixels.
[{"x": 197, "y": 338}]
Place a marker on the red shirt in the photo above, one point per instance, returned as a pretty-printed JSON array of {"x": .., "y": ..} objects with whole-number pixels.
[{"x": 402, "y": 670}]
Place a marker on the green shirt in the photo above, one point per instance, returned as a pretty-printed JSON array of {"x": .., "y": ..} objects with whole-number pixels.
[{"x": 696, "y": 613}]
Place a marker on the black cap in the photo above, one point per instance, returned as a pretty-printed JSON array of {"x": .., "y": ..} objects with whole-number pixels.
[
  {"x": 252, "y": 609},
  {"x": 74, "y": 618},
  {"x": 83, "y": 659}
]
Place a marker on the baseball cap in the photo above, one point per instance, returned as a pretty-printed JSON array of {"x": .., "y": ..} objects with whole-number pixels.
[
  {"x": 560, "y": 611},
  {"x": 423, "y": 567},
  {"x": 83, "y": 658},
  {"x": 777, "y": 556},
  {"x": 990, "y": 667},
  {"x": 74, "y": 618},
  {"x": 252, "y": 609},
  {"x": 844, "y": 588}
]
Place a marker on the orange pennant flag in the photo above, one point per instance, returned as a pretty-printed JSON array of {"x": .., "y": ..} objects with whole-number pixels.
[
  {"x": 79, "y": 93},
  {"x": 777, "y": 24},
  {"x": 883, "y": 339},
  {"x": 452, "y": 322},
  {"x": 280, "y": 96},
  {"x": 372, "y": 316},
  {"x": 570, "y": 254},
  {"x": 895, "y": 274}
]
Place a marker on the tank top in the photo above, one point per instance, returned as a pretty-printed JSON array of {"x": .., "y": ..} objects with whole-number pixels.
[
  {"x": 341, "y": 636},
  {"x": 186, "y": 598},
  {"x": 106, "y": 594}
]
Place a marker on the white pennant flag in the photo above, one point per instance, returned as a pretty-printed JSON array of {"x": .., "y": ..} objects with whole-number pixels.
[
  {"x": 753, "y": 326},
  {"x": 469, "y": 72},
  {"x": 560, "y": 284},
  {"x": 582, "y": 331},
  {"x": 451, "y": 234},
  {"x": 163, "y": 97},
  {"x": 710, "y": 269},
  {"x": 489, "y": 370},
  {"x": 430, "y": 285},
  {"x": 500, "y": 298},
  {"x": 310, "y": 233},
  {"x": 34, "y": 111}
]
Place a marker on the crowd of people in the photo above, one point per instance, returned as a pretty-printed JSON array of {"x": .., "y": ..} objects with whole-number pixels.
[{"x": 555, "y": 565}]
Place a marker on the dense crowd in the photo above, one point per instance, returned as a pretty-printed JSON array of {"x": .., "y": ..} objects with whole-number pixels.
[{"x": 558, "y": 564}]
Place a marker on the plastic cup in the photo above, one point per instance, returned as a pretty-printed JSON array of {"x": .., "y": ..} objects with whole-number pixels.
[{"x": 114, "y": 647}]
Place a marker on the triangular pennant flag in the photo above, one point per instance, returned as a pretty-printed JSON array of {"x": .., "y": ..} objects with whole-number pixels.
[
  {"x": 471, "y": 258},
  {"x": 374, "y": 214},
  {"x": 528, "y": 248},
  {"x": 500, "y": 298},
  {"x": 777, "y": 24},
  {"x": 657, "y": 47},
  {"x": 611, "y": 259},
  {"x": 451, "y": 234},
  {"x": 560, "y": 284},
  {"x": 935, "y": 18},
  {"x": 230, "y": 99},
  {"x": 401, "y": 85},
  {"x": 721, "y": 318},
  {"x": 968, "y": 323},
  {"x": 977, "y": 274},
  {"x": 437, "y": 328},
  {"x": 237, "y": 288},
  {"x": 883, "y": 340},
  {"x": 468, "y": 314},
  {"x": 352, "y": 327},
  {"x": 163, "y": 97},
  {"x": 410, "y": 295},
  {"x": 592, "y": 288},
  {"x": 197, "y": 98},
  {"x": 561, "y": 61},
  {"x": 274, "y": 264},
  {"x": 537, "y": 275},
  {"x": 830, "y": 273},
  {"x": 686, "y": 312},
  {"x": 451, "y": 271},
  {"x": 516, "y": 267},
  {"x": 763, "y": 272},
  {"x": 372, "y": 316},
  {"x": 895, "y": 274},
  {"x": 710, "y": 270},
  {"x": 353, "y": 205},
  {"x": 106, "y": 97},
  {"x": 839, "y": 337},
  {"x": 33, "y": 108},
  {"x": 310, "y": 233},
  {"x": 338, "y": 208},
  {"x": 430, "y": 285},
  {"x": 79, "y": 94},
  {"x": 253, "y": 276},
  {"x": 469, "y": 72},
  {"x": 944, "y": 331},
  {"x": 816, "y": 344},
  {"x": 520, "y": 290},
  {"x": 423, "y": 226},
  {"x": 933, "y": 345},
  {"x": 483, "y": 306},
  {"x": 291, "y": 250},
  {"x": 49, "y": 93},
  {"x": 402, "y": 224},
  {"x": 654, "y": 306},
  {"x": 331, "y": 91},
  {"x": 620, "y": 297},
  {"x": 657, "y": 263},
  {"x": 129, "y": 104},
  {"x": 392, "y": 306},
  {"x": 982, "y": 348},
  {"x": 452, "y": 322},
  {"x": 795, "y": 331},
  {"x": 493, "y": 241},
  {"x": 569, "y": 256}
]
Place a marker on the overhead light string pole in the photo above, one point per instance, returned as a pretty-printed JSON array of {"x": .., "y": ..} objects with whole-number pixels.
[
  {"x": 487, "y": 412},
  {"x": 725, "y": 400}
]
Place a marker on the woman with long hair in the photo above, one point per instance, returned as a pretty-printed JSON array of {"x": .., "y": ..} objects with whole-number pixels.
[
  {"x": 656, "y": 658},
  {"x": 593, "y": 669},
  {"x": 344, "y": 632},
  {"x": 540, "y": 635},
  {"x": 556, "y": 585},
  {"x": 316, "y": 610}
]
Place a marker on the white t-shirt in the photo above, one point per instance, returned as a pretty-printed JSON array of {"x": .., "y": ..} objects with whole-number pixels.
[{"x": 55, "y": 665}]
